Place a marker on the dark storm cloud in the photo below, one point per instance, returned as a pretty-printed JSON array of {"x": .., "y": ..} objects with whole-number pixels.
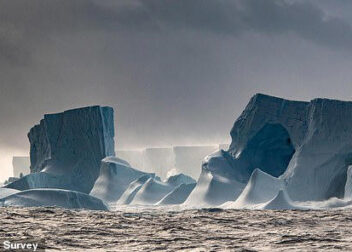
[{"x": 37, "y": 20}]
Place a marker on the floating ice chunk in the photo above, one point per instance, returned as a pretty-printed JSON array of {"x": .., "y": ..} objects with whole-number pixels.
[{"x": 53, "y": 198}]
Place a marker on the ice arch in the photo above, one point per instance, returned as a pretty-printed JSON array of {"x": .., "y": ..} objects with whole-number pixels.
[{"x": 270, "y": 150}]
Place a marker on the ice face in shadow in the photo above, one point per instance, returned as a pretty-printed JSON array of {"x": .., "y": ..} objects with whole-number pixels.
[
  {"x": 320, "y": 134},
  {"x": 70, "y": 145},
  {"x": 348, "y": 185},
  {"x": 318, "y": 169},
  {"x": 306, "y": 144},
  {"x": 115, "y": 177},
  {"x": 53, "y": 198},
  {"x": 270, "y": 149}
]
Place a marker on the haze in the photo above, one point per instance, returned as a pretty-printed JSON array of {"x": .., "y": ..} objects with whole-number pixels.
[{"x": 176, "y": 72}]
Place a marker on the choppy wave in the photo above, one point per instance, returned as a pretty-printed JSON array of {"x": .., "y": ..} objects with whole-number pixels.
[{"x": 137, "y": 229}]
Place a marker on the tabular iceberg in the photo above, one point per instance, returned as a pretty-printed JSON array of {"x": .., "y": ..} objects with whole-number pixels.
[
  {"x": 69, "y": 146},
  {"x": 305, "y": 148}
]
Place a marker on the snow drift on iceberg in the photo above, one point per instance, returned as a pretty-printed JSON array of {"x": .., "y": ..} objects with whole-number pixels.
[
  {"x": 178, "y": 195},
  {"x": 115, "y": 177},
  {"x": 218, "y": 182},
  {"x": 260, "y": 188}
]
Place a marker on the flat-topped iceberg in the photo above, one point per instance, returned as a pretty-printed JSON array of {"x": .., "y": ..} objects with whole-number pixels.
[
  {"x": 305, "y": 146},
  {"x": 69, "y": 146}
]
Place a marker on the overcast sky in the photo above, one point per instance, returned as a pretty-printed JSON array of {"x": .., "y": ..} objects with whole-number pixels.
[{"x": 175, "y": 71}]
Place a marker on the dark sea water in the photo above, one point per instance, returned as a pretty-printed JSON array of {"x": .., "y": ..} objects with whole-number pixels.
[{"x": 188, "y": 230}]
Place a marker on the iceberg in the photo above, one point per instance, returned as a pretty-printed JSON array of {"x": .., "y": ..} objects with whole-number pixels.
[
  {"x": 115, "y": 177},
  {"x": 178, "y": 195},
  {"x": 280, "y": 202},
  {"x": 348, "y": 185},
  {"x": 218, "y": 182},
  {"x": 163, "y": 160},
  {"x": 307, "y": 146},
  {"x": 69, "y": 146},
  {"x": 320, "y": 135},
  {"x": 5, "y": 192},
  {"x": 132, "y": 190},
  {"x": 149, "y": 190},
  {"x": 179, "y": 179},
  {"x": 260, "y": 189},
  {"x": 53, "y": 198}
]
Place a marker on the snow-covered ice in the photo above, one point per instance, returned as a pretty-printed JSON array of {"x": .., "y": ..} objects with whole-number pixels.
[{"x": 115, "y": 177}]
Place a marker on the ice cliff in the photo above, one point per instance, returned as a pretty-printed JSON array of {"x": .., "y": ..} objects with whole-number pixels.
[
  {"x": 68, "y": 147},
  {"x": 307, "y": 146}
]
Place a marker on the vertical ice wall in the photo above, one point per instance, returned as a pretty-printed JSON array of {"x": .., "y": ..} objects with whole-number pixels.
[
  {"x": 73, "y": 143},
  {"x": 308, "y": 145},
  {"x": 321, "y": 134}
]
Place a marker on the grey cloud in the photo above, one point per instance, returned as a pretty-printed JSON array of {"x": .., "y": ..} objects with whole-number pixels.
[{"x": 228, "y": 17}]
